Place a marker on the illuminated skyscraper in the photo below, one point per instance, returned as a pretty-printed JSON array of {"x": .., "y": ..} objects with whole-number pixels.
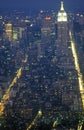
[
  {"x": 63, "y": 45},
  {"x": 15, "y": 33},
  {"x": 65, "y": 62},
  {"x": 62, "y": 26},
  {"x": 8, "y": 31}
]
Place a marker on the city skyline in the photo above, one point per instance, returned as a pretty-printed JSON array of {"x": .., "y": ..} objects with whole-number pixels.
[
  {"x": 41, "y": 65},
  {"x": 74, "y": 6}
]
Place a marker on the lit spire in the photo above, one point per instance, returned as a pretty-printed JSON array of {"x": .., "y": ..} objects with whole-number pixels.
[
  {"x": 62, "y": 6},
  {"x": 62, "y": 15}
]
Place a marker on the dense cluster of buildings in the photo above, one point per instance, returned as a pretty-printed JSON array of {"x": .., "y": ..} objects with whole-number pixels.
[{"x": 49, "y": 80}]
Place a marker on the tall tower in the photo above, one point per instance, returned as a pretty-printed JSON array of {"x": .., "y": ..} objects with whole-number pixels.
[
  {"x": 62, "y": 25},
  {"x": 63, "y": 46},
  {"x": 65, "y": 62}
]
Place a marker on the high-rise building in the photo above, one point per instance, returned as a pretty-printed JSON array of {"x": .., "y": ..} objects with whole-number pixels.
[
  {"x": 15, "y": 33},
  {"x": 48, "y": 30},
  {"x": 63, "y": 45},
  {"x": 62, "y": 26},
  {"x": 65, "y": 62},
  {"x": 48, "y": 34},
  {"x": 8, "y": 31}
]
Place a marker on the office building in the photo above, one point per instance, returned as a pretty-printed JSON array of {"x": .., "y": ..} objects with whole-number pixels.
[{"x": 8, "y": 31}]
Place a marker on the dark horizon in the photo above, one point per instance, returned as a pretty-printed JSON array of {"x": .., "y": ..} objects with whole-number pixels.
[{"x": 24, "y": 5}]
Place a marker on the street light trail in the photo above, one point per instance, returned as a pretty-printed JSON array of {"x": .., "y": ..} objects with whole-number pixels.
[
  {"x": 6, "y": 96},
  {"x": 77, "y": 67},
  {"x": 80, "y": 125},
  {"x": 39, "y": 114}
]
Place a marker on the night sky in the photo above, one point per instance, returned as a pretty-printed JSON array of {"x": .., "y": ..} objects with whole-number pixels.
[{"x": 70, "y": 5}]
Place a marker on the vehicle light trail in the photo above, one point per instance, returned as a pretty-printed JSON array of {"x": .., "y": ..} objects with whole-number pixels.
[
  {"x": 80, "y": 125},
  {"x": 6, "y": 96},
  {"x": 39, "y": 114},
  {"x": 55, "y": 123},
  {"x": 77, "y": 67}
]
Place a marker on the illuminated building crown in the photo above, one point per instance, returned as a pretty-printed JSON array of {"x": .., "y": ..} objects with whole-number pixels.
[{"x": 62, "y": 15}]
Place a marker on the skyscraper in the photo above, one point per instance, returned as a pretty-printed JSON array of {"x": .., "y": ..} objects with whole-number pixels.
[
  {"x": 65, "y": 62},
  {"x": 63, "y": 45},
  {"x": 8, "y": 31},
  {"x": 62, "y": 25},
  {"x": 48, "y": 34}
]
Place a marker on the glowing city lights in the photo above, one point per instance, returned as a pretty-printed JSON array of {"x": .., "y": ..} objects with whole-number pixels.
[
  {"x": 6, "y": 96},
  {"x": 48, "y": 18},
  {"x": 80, "y": 77},
  {"x": 62, "y": 16},
  {"x": 39, "y": 114}
]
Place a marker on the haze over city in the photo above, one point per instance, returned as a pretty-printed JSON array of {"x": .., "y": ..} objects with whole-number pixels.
[{"x": 71, "y": 5}]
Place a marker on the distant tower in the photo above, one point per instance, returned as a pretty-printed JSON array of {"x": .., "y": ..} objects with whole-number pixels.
[
  {"x": 46, "y": 30},
  {"x": 62, "y": 26},
  {"x": 47, "y": 34},
  {"x": 8, "y": 31}
]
